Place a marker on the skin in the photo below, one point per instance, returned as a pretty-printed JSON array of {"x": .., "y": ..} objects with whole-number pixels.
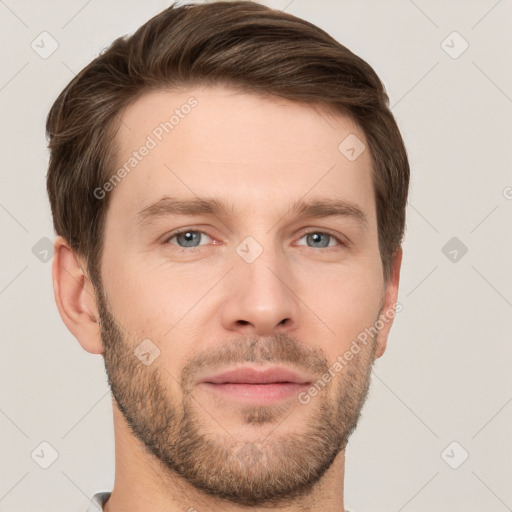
[{"x": 299, "y": 304}]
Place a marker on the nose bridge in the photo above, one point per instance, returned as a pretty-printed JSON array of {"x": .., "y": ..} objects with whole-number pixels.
[{"x": 260, "y": 296}]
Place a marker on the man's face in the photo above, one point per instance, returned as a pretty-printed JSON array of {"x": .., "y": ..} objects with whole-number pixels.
[{"x": 259, "y": 284}]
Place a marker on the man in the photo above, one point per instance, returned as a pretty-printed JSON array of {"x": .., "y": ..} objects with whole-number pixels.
[{"x": 229, "y": 188}]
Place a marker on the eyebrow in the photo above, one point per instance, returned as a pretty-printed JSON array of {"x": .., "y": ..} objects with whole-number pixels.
[{"x": 317, "y": 208}]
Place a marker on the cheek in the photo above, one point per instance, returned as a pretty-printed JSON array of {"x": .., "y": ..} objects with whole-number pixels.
[
  {"x": 158, "y": 306},
  {"x": 347, "y": 302},
  {"x": 153, "y": 301},
  {"x": 167, "y": 302}
]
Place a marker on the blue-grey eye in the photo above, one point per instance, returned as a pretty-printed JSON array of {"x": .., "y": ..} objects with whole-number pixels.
[
  {"x": 188, "y": 238},
  {"x": 319, "y": 239}
]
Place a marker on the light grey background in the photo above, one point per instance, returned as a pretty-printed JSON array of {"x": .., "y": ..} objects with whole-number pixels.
[{"x": 446, "y": 374}]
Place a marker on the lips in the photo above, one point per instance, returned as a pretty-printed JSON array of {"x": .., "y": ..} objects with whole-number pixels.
[{"x": 247, "y": 375}]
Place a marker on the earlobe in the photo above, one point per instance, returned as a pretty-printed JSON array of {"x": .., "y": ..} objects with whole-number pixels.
[
  {"x": 390, "y": 299},
  {"x": 75, "y": 298}
]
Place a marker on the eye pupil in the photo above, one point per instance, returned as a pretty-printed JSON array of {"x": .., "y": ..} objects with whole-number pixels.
[
  {"x": 315, "y": 238},
  {"x": 188, "y": 237}
]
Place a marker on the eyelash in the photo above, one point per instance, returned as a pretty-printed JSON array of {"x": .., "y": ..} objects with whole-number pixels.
[{"x": 193, "y": 249}]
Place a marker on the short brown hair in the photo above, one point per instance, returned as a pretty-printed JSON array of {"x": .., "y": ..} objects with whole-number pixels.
[{"x": 241, "y": 44}]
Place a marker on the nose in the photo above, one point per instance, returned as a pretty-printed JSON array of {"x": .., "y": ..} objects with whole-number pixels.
[{"x": 259, "y": 299}]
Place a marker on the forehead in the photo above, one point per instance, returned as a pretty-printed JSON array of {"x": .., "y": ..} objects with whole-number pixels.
[{"x": 253, "y": 151}]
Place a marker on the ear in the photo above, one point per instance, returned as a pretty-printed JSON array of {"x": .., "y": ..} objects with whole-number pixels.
[
  {"x": 390, "y": 298},
  {"x": 75, "y": 297}
]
